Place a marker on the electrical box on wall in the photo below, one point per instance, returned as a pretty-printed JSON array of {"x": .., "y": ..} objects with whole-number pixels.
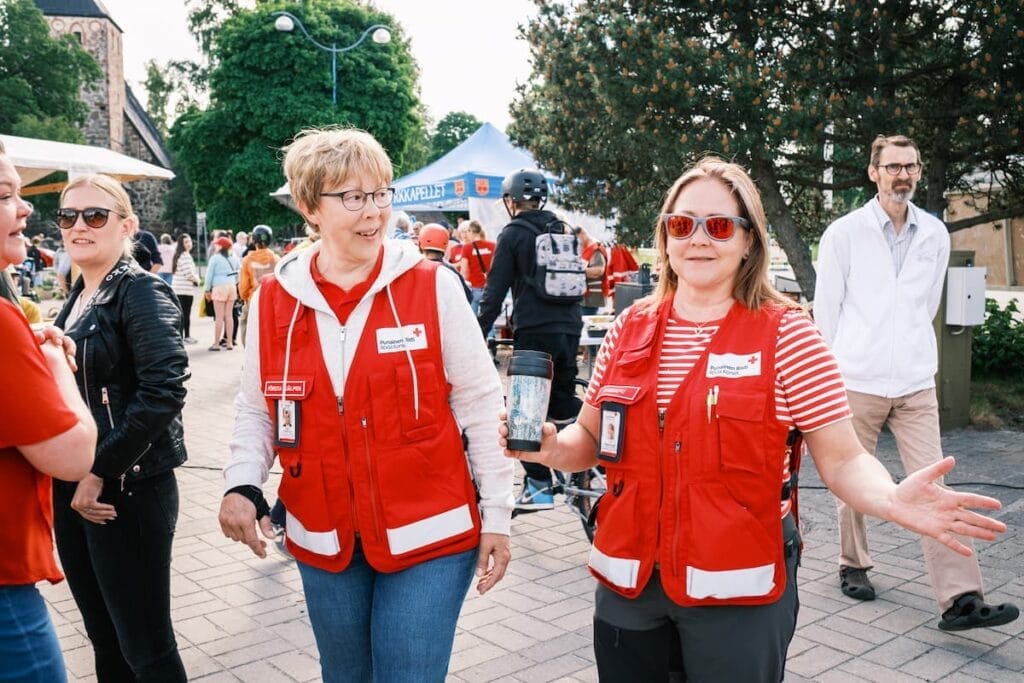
[{"x": 965, "y": 296}]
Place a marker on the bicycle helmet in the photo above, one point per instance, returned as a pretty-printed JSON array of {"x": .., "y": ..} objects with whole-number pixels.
[
  {"x": 525, "y": 185},
  {"x": 434, "y": 236},
  {"x": 262, "y": 234}
]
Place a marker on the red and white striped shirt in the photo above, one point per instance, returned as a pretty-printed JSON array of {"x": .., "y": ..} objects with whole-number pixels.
[{"x": 809, "y": 389}]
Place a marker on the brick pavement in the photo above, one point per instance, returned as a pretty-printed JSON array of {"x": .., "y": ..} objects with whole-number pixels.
[{"x": 241, "y": 618}]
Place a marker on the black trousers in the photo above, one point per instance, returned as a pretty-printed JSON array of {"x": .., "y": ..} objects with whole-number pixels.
[
  {"x": 185, "y": 301},
  {"x": 120, "y": 576},
  {"x": 564, "y": 404},
  {"x": 653, "y": 639}
]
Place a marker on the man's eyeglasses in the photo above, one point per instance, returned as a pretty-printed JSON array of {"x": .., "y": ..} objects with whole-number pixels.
[
  {"x": 93, "y": 216},
  {"x": 681, "y": 226},
  {"x": 354, "y": 200},
  {"x": 894, "y": 169}
]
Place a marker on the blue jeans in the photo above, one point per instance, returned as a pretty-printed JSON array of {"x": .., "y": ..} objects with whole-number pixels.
[
  {"x": 372, "y": 626},
  {"x": 29, "y": 651}
]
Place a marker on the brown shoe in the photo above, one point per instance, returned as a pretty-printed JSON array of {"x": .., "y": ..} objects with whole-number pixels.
[
  {"x": 970, "y": 611},
  {"x": 855, "y": 583}
]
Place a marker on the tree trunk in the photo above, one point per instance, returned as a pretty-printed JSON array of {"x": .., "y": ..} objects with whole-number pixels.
[{"x": 786, "y": 232}]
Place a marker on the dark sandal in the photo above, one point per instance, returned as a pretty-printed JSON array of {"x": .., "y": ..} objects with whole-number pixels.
[
  {"x": 970, "y": 611},
  {"x": 856, "y": 584}
]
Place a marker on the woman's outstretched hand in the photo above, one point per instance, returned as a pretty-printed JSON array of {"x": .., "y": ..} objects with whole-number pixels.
[{"x": 922, "y": 505}]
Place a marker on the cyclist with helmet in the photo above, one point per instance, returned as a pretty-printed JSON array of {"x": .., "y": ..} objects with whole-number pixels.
[
  {"x": 537, "y": 324},
  {"x": 434, "y": 245},
  {"x": 256, "y": 264}
]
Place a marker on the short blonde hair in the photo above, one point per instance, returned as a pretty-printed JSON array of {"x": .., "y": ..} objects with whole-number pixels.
[
  {"x": 752, "y": 288},
  {"x": 327, "y": 157},
  {"x": 122, "y": 203},
  {"x": 474, "y": 227}
]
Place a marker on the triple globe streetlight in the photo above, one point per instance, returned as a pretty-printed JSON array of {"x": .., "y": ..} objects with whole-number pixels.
[{"x": 286, "y": 23}]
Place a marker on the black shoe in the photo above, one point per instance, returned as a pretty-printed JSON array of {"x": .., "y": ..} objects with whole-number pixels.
[
  {"x": 970, "y": 611},
  {"x": 855, "y": 583}
]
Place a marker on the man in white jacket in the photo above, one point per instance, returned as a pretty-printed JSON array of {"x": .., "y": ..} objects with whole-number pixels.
[{"x": 880, "y": 274}]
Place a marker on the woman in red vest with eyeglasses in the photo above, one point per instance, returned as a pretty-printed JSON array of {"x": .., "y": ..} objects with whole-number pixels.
[{"x": 695, "y": 397}]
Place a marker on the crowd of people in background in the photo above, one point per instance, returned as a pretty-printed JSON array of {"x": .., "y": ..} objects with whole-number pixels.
[{"x": 384, "y": 316}]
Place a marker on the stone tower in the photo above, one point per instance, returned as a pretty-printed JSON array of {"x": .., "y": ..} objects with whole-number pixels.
[
  {"x": 90, "y": 23},
  {"x": 115, "y": 120}
]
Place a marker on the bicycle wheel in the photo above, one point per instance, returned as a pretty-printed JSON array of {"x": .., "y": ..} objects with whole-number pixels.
[{"x": 583, "y": 493}]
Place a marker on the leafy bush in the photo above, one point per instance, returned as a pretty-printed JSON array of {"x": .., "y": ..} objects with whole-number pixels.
[{"x": 998, "y": 345}]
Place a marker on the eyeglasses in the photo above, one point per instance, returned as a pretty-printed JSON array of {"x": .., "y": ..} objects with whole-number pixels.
[
  {"x": 681, "y": 226},
  {"x": 894, "y": 169},
  {"x": 354, "y": 200},
  {"x": 93, "y": 216}
]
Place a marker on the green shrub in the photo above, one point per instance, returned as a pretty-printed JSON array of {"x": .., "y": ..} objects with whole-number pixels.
[{"x": 998, "y": 345}]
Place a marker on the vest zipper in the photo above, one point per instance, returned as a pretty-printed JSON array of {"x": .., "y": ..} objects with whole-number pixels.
[
  {"x": 661, "y": 420},
  {"x": 106, "y": 401},
  {"x": 85, "y": 373},
  {"x": 373, "y": 478},
  {"x": 348, "y": 467},
  {"x": 678, "y": 446}
]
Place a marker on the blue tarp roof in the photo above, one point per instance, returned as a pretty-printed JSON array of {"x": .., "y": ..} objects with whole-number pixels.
[{"x": 474, "y": 170}]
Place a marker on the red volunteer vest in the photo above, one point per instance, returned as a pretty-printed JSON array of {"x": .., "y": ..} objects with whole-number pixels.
[
  {"x": 696, "y": 488},
  {"x": 587, "y": 254},
  {"x": 384, "y": 461}
]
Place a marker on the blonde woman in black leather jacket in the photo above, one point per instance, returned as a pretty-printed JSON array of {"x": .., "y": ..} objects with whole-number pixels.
[{"x": 114, "y": 528}]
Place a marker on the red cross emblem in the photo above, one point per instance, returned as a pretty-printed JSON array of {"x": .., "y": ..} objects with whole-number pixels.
[
  {"x": 751, "y": 360},
  {"x": 417, "y": 332}
]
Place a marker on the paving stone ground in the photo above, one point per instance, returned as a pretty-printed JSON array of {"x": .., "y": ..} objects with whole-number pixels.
[{"x": 239, "y": 618}]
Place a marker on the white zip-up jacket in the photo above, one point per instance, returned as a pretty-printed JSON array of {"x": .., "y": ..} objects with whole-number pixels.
[
  {"x": 878, "y": 323},
  {"x": 476, "y": 393}
]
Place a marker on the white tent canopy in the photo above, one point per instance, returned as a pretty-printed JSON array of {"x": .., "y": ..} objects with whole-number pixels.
[{"x": 35, "y": 159}]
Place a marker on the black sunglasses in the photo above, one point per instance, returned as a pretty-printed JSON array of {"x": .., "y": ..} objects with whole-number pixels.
[{"x": 94, "y": 217}]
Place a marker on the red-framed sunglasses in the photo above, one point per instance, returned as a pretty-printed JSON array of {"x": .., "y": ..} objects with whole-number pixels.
[{"x": 681, "y": 226}]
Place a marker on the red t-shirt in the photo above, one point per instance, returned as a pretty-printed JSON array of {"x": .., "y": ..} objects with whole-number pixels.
[
  {"x": 32, "y": 410},
  {"x": 342, "y": 302},
  {"x": 477, "y": 277}
]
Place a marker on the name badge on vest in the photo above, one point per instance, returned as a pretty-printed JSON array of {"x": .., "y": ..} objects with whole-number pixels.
[
  {"x": 609, "y": 441},
  {"x": 733, "y": 365},
  {"x": 287, "y": 435},
  {"x": 399, "y": 339}
]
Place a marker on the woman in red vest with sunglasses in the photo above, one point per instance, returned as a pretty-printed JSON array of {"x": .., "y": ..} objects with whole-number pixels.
[
  {"x": 360, "y": 378},
  {"x": 695, "y": 394}
]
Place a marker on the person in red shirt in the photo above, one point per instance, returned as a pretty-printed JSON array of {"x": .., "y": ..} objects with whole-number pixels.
[
  {"x": 475, "y": 263},
  {"x": 50, "y": 435}
]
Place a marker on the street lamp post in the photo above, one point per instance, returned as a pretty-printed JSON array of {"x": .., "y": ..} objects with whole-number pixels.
[{"x": 286, "y": 22}]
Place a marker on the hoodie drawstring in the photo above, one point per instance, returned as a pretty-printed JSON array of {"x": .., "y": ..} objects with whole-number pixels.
[{"x": 408, "y": 356}]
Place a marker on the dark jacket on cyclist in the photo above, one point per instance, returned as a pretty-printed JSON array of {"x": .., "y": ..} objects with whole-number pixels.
[{"x": 513, "y": 263}]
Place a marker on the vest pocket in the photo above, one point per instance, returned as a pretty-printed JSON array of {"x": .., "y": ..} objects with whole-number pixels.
[
  {"x": 310, "y": 525},
  {"x": 740, "y": 417},
  {"x": 615, "y": 555},
  {"x": 425, "y": 497},
  {"x": 395, "y": 400},
  {"x": 730, "y": 554}
]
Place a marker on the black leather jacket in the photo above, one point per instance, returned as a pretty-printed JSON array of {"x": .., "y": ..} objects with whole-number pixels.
[{"x": 132, "y": 368}]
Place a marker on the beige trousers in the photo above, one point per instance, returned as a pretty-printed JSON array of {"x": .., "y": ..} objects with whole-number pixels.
[{"x": 914, "y": 422}]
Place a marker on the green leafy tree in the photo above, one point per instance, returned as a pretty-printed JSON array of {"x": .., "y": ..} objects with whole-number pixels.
[
  {"x": 451, "y": 132},
  {"x": 627, "y": 94},
  {"x": 40, "y": 76},
  {"x": 266, "y": 86}
]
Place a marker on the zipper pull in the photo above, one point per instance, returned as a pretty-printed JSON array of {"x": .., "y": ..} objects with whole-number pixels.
[
  {"x": 341, "y": 333},
  {"x": 678, "y": 446},
  {"x": 104, "y": 396},
  {"x": 362, "y": 421},
  {"x": 661, "y": 420},
  {"x": 341, "y": 405},
  {"x": 121, "y": 478}
]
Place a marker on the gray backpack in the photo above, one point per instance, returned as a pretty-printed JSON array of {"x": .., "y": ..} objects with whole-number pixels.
[{"x": 559, "y": 273}]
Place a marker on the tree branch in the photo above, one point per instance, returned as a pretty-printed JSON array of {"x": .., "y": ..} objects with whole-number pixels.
[{"x": 1014, "y": 211}]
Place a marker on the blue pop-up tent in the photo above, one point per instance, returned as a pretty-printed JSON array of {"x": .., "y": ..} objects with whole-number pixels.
[{"x": 473, "y": 170}]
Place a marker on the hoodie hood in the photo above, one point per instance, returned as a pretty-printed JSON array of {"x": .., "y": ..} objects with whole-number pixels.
[{"x": 293, "y": 272}]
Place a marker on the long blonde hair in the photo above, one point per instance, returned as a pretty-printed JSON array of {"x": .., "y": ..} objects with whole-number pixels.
[
  {"x": 113, "y": 188},
  {"x": 752, "y": 288}
]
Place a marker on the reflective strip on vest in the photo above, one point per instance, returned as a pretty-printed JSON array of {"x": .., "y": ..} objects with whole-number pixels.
[
  {"x": 430, "y": 530},
  {"x": 732, "y": 583},
  {"x": 620, "y": 571},
  {"x": 319, "y": 542}
]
